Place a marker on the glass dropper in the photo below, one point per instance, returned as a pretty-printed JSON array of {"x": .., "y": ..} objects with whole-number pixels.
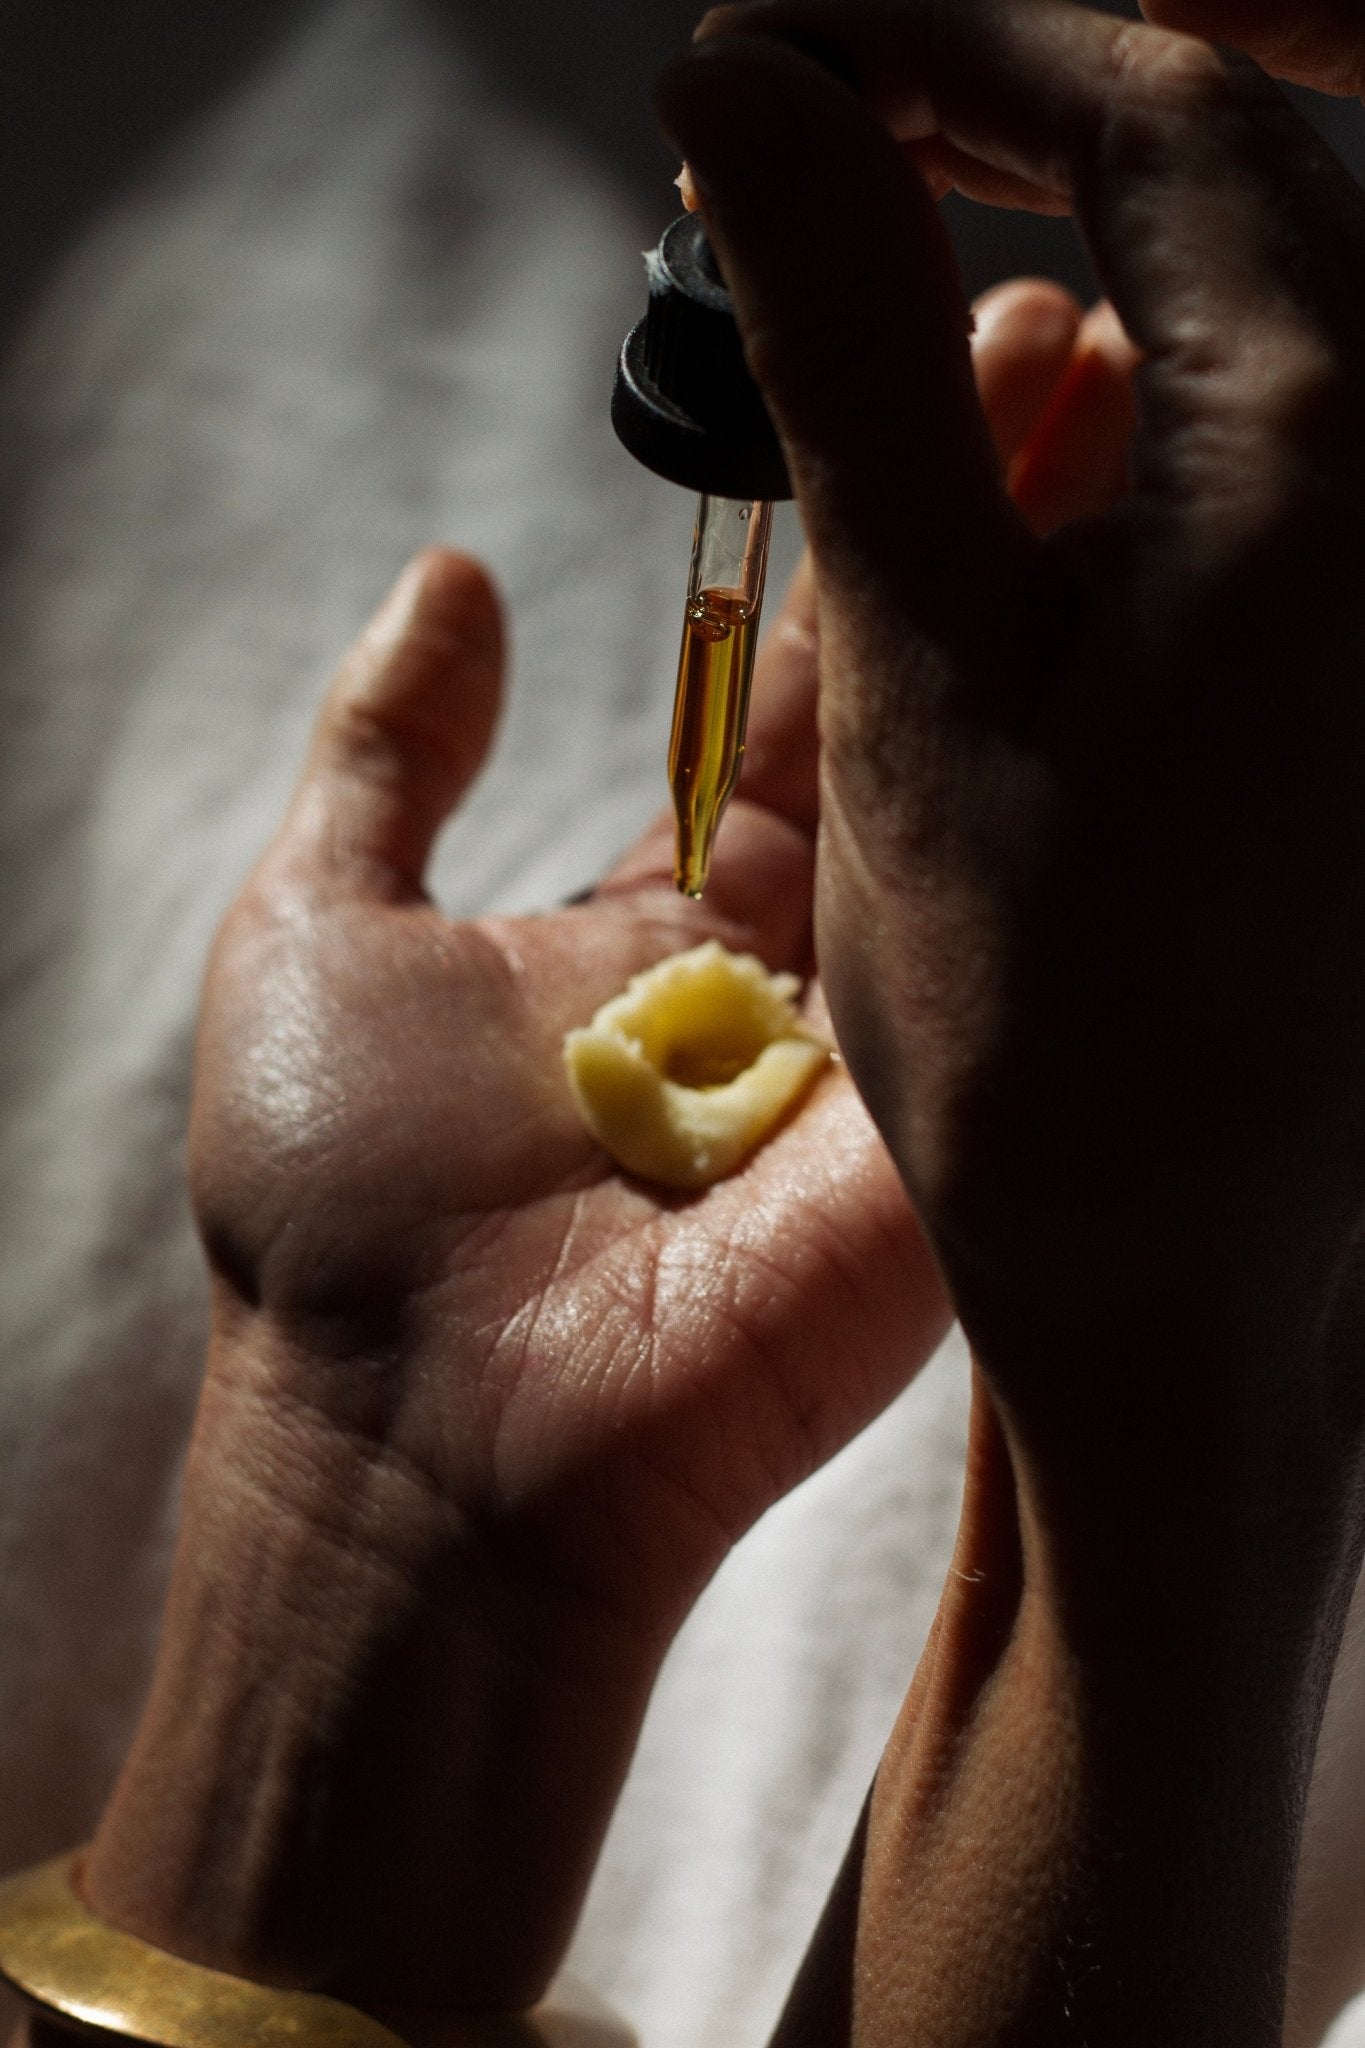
[
  {"x": 715, "y": 668},
  {"x": 686, "y": 406}
]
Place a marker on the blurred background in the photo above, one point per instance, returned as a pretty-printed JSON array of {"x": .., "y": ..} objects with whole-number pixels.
[{"x": 92, "y": 101}]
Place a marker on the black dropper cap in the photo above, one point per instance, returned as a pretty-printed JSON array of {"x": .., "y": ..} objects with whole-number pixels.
[{"x": 684, "y": 403}]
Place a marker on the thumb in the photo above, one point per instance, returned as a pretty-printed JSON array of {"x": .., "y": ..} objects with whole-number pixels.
[
  {"x": 855, "y": 326},
  {"x": 404, "y": 730}
]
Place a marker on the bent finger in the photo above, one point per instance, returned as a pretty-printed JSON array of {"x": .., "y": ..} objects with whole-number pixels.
[
  {"x": 856, "y": 328},
  {"x": 1074, "y": 463},
  {"x": 782, "y": 751},
  {"x": 1229, "y": 239},
  {"x": 404, "y": 730},
  {"x": 1023, "y": 341},
  {"x": 1023, "y": 338}
]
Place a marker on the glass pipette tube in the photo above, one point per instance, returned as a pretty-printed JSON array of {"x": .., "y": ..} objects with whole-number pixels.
[{"x": 715, "y": 667}]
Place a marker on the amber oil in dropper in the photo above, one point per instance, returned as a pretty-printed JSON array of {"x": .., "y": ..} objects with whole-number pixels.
[
  {"x": 709, "y": 713},
  {"x": 715, "y": 668}
]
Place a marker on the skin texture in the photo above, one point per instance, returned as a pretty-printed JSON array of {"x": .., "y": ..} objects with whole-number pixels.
[
  {"x": 528, "y": 1402},
  {"x": 1097, "y": 801},
  {"x": 1319, "y": 43},
  {"x": 482, "y": 1415}
]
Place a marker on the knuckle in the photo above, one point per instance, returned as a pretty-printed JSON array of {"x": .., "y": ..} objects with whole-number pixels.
[
  {"x": 267, "y": 915},
  {"x": 1287, "y": 387},
  {"x": 1299, "y": 380},
  {"x": 370, "y": 740},
  {"x": 1270, "y": 446},
  {"x": 361, "y": 728},
  {"x": 1164, "y": 74}
]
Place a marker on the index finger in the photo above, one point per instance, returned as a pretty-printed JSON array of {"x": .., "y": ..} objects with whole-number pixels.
[
  {"x": 1022, "y": 343},
  {"x": 1217, "y": 218}
]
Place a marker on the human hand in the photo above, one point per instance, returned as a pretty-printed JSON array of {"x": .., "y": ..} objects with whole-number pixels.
[
  {"x": 1313, "y": 42},
  {"x": 1089, "y": 923},
  {"x": 499, "y": 1408},
  {"x": 397, "y": 1191},
  {"x": 1099, "y": 843},
  {"x": 511, "y": 1405}
]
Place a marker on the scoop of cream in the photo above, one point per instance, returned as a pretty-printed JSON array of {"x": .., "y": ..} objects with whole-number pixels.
[{"x": 684, "y": 1075}]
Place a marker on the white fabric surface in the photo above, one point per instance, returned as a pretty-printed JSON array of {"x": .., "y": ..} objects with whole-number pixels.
[
  {"x": 363, "y": 306},
  {"x": 1349, "y": 2030}
]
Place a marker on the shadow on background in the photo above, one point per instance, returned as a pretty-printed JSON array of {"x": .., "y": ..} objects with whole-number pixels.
[
  {"x": 94, "y": 98},
  {"x": 91, "y": 95},
  {"x": 599, "y": 86}
]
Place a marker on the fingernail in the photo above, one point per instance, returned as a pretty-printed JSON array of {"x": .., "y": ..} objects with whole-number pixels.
[
  {"x": 1104, "y": 334},
  {"x": 397, "y": 612}
]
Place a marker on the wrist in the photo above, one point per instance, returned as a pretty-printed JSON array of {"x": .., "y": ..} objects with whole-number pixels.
[
  {"x": 1067, "y": 1796},
  {"x": 371, "y": 1761},
  {"x": 1176, "y": 1457}
]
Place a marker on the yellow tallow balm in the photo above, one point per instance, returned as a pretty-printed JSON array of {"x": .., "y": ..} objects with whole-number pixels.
[{"x": 683, "y": 1076}]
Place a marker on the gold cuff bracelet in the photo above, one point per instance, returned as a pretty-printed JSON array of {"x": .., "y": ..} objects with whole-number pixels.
[{"x": 69, "y": 1964}]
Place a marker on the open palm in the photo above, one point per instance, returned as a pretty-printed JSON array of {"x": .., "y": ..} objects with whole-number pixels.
[{"x": 390, "y": 1171}]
